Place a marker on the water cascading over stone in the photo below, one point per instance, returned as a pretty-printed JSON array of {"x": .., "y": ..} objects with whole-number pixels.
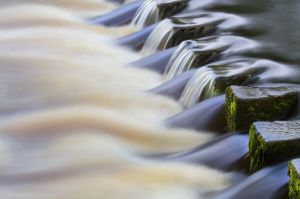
[
  {"x": 153, "y": 11},
  {"x": 194, "y": 53},
  {"x": 213, "y": 79},
  {"x": 171, "y": 32},
  {"x": 191, "y": 53},
  {"x": 199, "y": 87}
]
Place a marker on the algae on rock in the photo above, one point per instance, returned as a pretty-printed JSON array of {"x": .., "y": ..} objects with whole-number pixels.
[
  {"x": 294, "y": 182},
  {"x": 245, "y": 105},
  {"x": 273, "y": 142}
]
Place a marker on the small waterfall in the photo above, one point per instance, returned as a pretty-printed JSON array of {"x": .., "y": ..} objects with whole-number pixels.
[
  {"x": 159, "y": 38},
  {"x": 147, "y": 14},
  {"x": 199, "y": 87},
  {"x": 194, "y": 53},
  {"x": 181, "y": 60},
  {"x": 171, "y": 32},
  {"x": 190, "y": 54}
]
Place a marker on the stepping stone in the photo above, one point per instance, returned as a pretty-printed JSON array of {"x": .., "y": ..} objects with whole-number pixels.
[
  {"x": 223, "y": 81},
  {"x": 294, "y": 182},
  {"x": 245, "y": 105},
  {"x": 153, "y": 11},
  {"x": 200, "y": 51},
  {"x": 189, "y": 54},
  {"x": 273, "y": 142},
  {"x": 185, "y": 30},
  {"x": 174, "y": 30},
  {"x": 170, "y": 7}
]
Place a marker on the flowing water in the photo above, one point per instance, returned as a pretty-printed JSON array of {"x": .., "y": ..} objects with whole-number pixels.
[
  {"x": 203, "y": 80},
  {"x": 152, "y": 14},
  {"x": 75, "y": 122},
  {"x": 84, "y": 116},
  {"x": 196, "y": 53},
  {"x": 182, "y": 60},
  {"x": 82, "y": 8}
]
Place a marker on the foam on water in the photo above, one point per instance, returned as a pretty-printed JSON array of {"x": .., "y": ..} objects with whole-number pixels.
[
  {"x": 75, "y": 121},
  {"x": 78, "y": 81},
  {"x": 82, "y": 8},
  {"x": 79, "y": 163},
  {"x": 61, "y": 149},
  {"x": 45, "y": 16},
  {"x": 47, "y": 50},
  {"x": 68, "y": 42},
  {"x": 141, "y": 135}
]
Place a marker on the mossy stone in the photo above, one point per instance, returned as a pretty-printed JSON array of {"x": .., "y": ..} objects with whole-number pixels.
[
  {"x": 273, "y": 142},
  {"x": 167, "y": 9},
  {"x": 202, "y": 57},
  {"x": 183, "y": 31},
  {"x": 294, "y": 181},
  {"x": 221, "y": 83},
  {"x": 245, "y": 105}
]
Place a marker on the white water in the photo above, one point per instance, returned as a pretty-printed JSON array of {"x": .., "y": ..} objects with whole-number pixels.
[
  {"x": 82, "y": 8},
  {"x": 199, "y": 87},
  {"x": 75, "y": 119},
  {"x": 147, "y": 14},
  {"x": 159, "y": 38},
  {"x": 55, "y": 17},
  {"x": 181, "y": 61}
]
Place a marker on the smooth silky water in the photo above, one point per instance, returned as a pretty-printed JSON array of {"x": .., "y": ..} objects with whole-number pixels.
[
  {"x": 271, "y": 61},
  {"x": 76, "y": 121}
]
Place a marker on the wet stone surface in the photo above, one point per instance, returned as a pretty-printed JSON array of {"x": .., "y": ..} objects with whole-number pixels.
[
  {"x": 169, "y": 8},
  {"x": 245, "y": 105},
  {"x": 224, "y": 81},
  {"x": 279, "y": 130},
  {"x": 273, "y": 142},
  {"x": 155, "y": 10},
  {"x": 185, "y": 32}
]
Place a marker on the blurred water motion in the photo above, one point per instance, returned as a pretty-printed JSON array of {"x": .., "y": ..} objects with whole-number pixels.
[{"x": 85, "y": 114}]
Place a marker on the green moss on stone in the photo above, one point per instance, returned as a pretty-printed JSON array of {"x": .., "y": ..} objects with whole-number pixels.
[
  {"x": 222, "y": 82},
  {"x": 294, "y": 182},
  {"x": 231, "y": 108},
  {"x": 257, "y": 150},
  {"x": 170, "y": 8},
  {"x": 245, "y": 105},
  {"x": 184, "y": 31},
  {"x": 273, "y": 142}
]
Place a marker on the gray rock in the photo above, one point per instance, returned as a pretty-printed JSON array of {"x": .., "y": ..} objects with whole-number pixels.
[
  {"x": 245, "y": 105},
  {"x": 273, "y": 142},
  {"x": 169, "y": 8}
]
